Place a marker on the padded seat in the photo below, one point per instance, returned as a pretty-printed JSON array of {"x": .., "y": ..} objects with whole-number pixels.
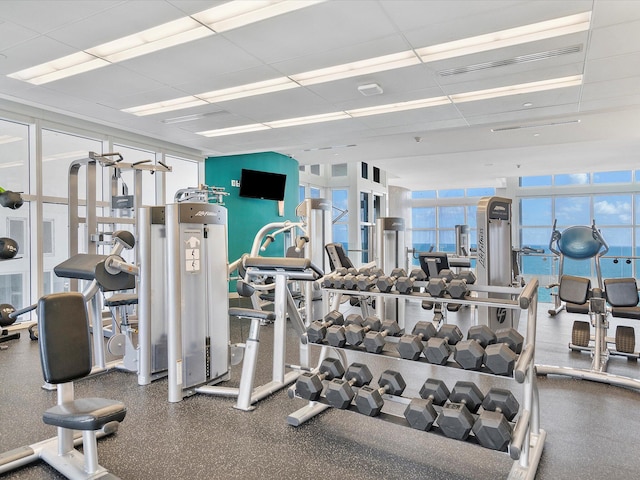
[
  {"x": 85, "y": 414},
  {"x": 577, "y": 308},
  {"x": 626, "y": 312},
  {"x": 121, "y": 299},
  {"x": 251, "y": 313}
]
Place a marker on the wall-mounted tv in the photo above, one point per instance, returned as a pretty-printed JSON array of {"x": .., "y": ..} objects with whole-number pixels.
[{"x": 267, "y": 185}]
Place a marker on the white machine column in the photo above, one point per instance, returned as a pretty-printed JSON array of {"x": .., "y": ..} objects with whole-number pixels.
[
  {"x": 390, "y": 252},
  {"x": 494, "y": 263}
]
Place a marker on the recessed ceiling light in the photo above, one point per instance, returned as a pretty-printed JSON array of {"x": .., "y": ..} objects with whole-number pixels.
[
  {"x": 536, "y": 134},
  {"x": 527, "y": 104}
]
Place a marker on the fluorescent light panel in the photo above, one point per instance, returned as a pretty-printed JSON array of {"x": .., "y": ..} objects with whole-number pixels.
[
  {"x": 166, "y": 106},
  {"x": 507, "y": 38},
  {"x": 227, "y": 16},
  {"x": 402, "y": 106},
  {"x": 248, "y": 90},
  {"x": 240, "y": 13}
]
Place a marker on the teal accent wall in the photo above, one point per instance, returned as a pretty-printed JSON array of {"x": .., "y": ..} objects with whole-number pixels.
[{"x": 248, "y": 215}]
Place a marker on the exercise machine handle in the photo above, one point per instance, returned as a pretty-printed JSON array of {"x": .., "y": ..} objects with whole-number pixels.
[
  {"x": 267, "y": 242},
  {"x": 22, "y": 311},
  {"x": 301, "y": 242}
]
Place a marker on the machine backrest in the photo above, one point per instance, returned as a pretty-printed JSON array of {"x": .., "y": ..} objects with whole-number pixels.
[
  {"x": 574, "y": 289},
  {"x": 63, "y": 332},
  {"x": 337, "y": 257},
  {"x": 621, "y": 292}
]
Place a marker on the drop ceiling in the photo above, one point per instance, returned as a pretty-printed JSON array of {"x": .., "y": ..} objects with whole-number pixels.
[{"x": 591, "y": 126}]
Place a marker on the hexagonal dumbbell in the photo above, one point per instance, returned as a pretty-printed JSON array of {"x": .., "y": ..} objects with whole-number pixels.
[
  {"x": 500, "y": 359},
  {"x": 410, "y": 346},
  {"x": 366, "y": 281},
  {"x": 406, "y": 284},
  {"x": 385, "y": 283},
  {"x": 469, "y": 354},
  {"x": 374, "y": 341},
  {"x": 350, "y": 281},
  {"x": 451, "y": 333},
  {"x": 336, "y": 334},
  {"x": 456, "y": 419},
  {"x": 369, "y": 401},
  {"x": 420, "y": 413},
  {"x": 492, "y": 428},
  {"x": 355, "y": 333},
  {"x": 483, "y": 334},
  {"x": 437, "y": 287},
  {"x": 511, "y": 337},
  {"x": 457, "y": 288},
  {"x": 309, "y": 385},
  {"x": 318, "y": 329},
  {"x": 339, "y": 393},
  {"x": 437, "y": 351},
  {"x": 468, "y": 276}
]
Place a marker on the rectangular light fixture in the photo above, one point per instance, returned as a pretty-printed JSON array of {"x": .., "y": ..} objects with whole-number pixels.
[
  {"x": 163, "y": 36},
  {"x": 323, "y": 117},
  {"x": 165, "y": 106},
  {"x": 62, "y": 67},
  {"x": 354, "y": 69},
  {"x": 506, "y": 38},
  {"x": 248, "y": 90},
  {"x": 254, "y": 127},
  {"x": 531, "y": 87},
  {"x": 237, "y": 14},
  {"x": 399, "y": 107}
]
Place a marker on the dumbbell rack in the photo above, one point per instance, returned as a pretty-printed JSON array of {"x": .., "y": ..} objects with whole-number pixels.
[{"x": 528, "y": 438}]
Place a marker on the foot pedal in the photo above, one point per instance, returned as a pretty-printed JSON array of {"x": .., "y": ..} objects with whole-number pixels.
[
  {"x": 625, "y": 339},
  {"x": 580, "y": 334}
]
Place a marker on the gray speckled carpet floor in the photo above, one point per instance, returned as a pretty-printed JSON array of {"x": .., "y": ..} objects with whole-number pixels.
[{"x": 591, "y": 428}]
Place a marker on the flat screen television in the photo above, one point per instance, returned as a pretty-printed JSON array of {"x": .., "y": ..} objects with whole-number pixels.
[{"x": 266, "y": 185}]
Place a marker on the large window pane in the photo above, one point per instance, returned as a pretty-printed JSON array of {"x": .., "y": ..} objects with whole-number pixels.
[
  {"x": 620, "y": 247},
  {"x": 423, "y": 194},
  {"x": 480, "y": 192},
  {"x": 423, "y": 217},
  {"x": 535, "y": 211},
  {"x": 572, "y": 179},
  {"x": 340, "y": 200},
  {"x": 612, "y": 209},
  {"x": 536, "y": 181},
  {"x": 447, "y": 241},
  {"x": 183, "y": 174},
  {"x": 573, "y": 211},
  {"x": 612, "y": 177},
  {"x": 424, "y": 240},
  {"x": 457, "y": 192},
  {"x": 449, "y": 217},
  {"x": 472, "y": 216},
  {"x": 14, "y": 156},
  {"x": 58, "y": 151},
  {"x": 58, "y": 216},
  {"x": 14, "y": 273}
]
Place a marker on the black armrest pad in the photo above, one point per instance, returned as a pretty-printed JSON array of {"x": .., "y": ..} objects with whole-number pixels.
[
  {"x": 621, "y": 292},
  {"x": 81, "y": 266},
  {"x": 281, "y": 263},
  {"x": 574, "y": 289}
]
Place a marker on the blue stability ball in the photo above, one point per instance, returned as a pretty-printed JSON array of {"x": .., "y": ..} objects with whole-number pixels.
[{"x": 577, "y": 242}]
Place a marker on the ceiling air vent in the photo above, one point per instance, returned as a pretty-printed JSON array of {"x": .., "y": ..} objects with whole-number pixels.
[{"x": 532, "y": 57}]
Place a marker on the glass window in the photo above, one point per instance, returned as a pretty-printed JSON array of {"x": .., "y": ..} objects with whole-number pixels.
[
  {"x": 340, "y": 200},
  {"x": 536, "y": 211},
  {"x": 449, "y": 217},
  {"x": 612, "y": 209},
  {"x": 59, "y": 150},
  {"x": 573, "y": 211},
  {"x": 339, "y": 170},
  {"x": 183, "y": 174},
  {"x": 457, "y": 192},
  {"x": 572, "y": 179},
  {"x": 619, "y": 241},
  {"x": 364, "y": 207},
  {"x": 14, "y": 274},
  {"x": 637, "y": 210},
  {"x": 58, "y": 215},
  {"x": 301, "y": 194},
  {"x": 376, "y": 174},
  {"x": 14, "y": 156},
  {"x": 48, "y": 244},
  {"x": 364, "y": 169},
  {"x": 480, "y": 192},
  {"x": 472, "y": 216},
  {"x": 536, "y": 181},
  {"x": 612, "y": 177},
  {"x": 314, "y": 169},
  {"x": 314, "y": 192},
  {"x": 423, "y": 217},
  {"x": 423, "y": 194},
  {"x": 423, "y": 240},
  {"x": 446, "y": 240},
  {"x": 341, "y": 235}
]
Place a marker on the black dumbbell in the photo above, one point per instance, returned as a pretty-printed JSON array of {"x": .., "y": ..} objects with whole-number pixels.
[
  {"x": 374, "y": 341},
  {"x": 420, "y": 413},
  {"x": 336, "y": 335},
  {"x": 309, "y": 385},
  {"x": 339, "y": 393},
  {"x": 385, "y": 283},
  {"x": 438, "y": 348},
  {"x": 6, "y": 310},
  {"x": 355, "y": 333},
  {"x": 455, "y": 418},
  {"x": 406, "y": 284},
  {"x": 369, "y": 401},
  {"x": 410, "y": 346},
  {"x": 334, "y": 280},
  {"x": 318, "y": 329},
  {"x": 9, "y": 199},
  {"x": 492, "y": 428},
  {"x": 470, "y": 353},
  {"x": 511, "y": 337},
  {"x": 8, "y": 248}
]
